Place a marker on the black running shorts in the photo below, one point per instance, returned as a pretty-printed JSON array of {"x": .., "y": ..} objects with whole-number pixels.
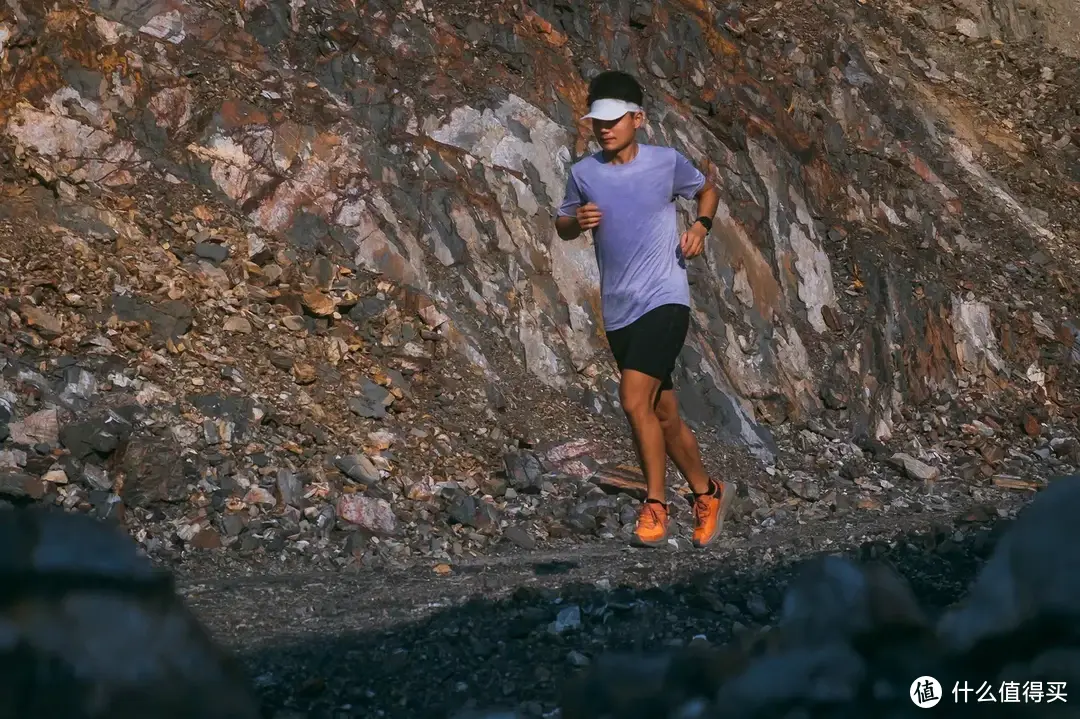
[{"x": 652, "y": 343}]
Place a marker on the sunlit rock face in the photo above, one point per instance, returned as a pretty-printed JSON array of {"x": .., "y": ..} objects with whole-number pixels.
[{"x": 430, "y": 142}]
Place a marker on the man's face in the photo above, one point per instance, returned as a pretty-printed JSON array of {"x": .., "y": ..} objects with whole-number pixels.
[{"x": 614, "y": 135}]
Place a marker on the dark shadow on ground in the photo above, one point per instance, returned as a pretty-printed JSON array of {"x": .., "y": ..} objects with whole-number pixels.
[{"x": 506, "y": 652}]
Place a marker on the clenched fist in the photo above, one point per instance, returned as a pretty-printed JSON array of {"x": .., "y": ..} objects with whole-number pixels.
[
  {"x": 692, "y": 242},
  {"x": 588, "y": 216}
]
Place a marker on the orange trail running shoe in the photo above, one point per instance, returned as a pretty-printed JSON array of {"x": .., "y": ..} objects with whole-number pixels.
[
  {"x": 651, "y": 530},
  {"x": 710, "y": 510}
]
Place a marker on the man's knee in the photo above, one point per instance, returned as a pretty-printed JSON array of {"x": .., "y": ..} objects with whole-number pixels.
[
  {"x": 638, "y": 395},
  {"x": 636, "y": 405}
]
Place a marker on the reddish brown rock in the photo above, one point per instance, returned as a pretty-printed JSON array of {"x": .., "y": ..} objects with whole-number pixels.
[{"x": 621, "y": 478}]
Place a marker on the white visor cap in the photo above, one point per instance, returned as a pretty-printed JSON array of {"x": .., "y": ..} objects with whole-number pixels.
[{"x": 610, "y": 109}]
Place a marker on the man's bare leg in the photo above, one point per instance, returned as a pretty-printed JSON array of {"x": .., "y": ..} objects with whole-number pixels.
[
  {"x": 712, "y": 500},
  {"x": 637, "y": 393},
  {"x": 680, "y": 443}
]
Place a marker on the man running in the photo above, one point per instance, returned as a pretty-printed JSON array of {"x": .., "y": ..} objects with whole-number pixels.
[{"x": 625, "y": 195}]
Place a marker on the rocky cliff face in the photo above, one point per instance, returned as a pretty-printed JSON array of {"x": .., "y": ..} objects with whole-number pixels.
[{"x": 855, "y": 261}]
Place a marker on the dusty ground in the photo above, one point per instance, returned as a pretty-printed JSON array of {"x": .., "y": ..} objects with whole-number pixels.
[{"x": 413, "y": 643}]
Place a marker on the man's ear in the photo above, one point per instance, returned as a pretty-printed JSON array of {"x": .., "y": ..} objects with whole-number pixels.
[{"x": 639, "y": 119}]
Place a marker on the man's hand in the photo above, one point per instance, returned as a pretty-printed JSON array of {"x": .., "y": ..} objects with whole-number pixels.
[
  {"x": 692, "y": 243},
  {"x": 588, "y": 216}
]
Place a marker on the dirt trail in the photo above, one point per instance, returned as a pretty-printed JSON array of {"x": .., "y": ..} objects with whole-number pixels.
[{"x": 413, "y": 643}]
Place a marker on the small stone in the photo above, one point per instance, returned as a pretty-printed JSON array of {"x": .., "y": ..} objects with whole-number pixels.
[
  {"x": 915, "y": 468},
  {"x": 322, "y": 271},
  {"x": 621, "y": 478},
  {"x": 212, "y": 251},
  {"x": 520, "y": 536},
  {"x": 233, "y": 524},
  {"x": 376, "y": 394},
  {"x": 41, "y": 427},
  {"x": 16, "y": 485},
  {"x": 187, "y": 532},
  {"x": 12, "y": 459},
  {"x": 96, "y": 477},
  {"x": 56, "y": 476},
  {"x": 303, "y": 373},
  {"x": 79, "y": 384},
  {"x": 1065, "y": 446},
  {"x": 369, "y": 513},
  {"x": 293, "y": 323},
  {"x": 290, "y": 488},
  {"x": 568, "y": 619},
  {"x": 211, "y": 435},
  {"x": 967, "y": 28},
  {"x": 272, "y": 272},
  {"x": 358, "y": 468},
  {"x": 992, "y": 453},
  {"x": 872, "y": 504},
  {"x": 755, "y": 605},
  {"x": 47, "y": 325},
  {"x": 258, "y": 495},
  {"x": 319, "y": 304},
  {"x": 282, "y": 361},
  {"x": 362, "y": 407},
  {"x": 238, "y": 325},
  {"x": 495, "y": 486},
  {"x": 206, "y": 539},
  {"x": 577, "y": 659},
  {"x": 803, "y": 486},
  {"x": 468, "y": 511},
  {"x": 432, "y": 317}
]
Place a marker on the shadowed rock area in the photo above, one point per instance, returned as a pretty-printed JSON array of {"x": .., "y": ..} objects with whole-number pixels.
[
  {"x": 852, "y": 639},
  {"x": 92, "y": 629},
  {"x": 283, "y": 298}
]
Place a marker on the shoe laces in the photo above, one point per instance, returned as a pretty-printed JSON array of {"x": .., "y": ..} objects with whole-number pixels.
[
  {"x": 651, "y": 514},
  {"x": 701, "y": 507}
]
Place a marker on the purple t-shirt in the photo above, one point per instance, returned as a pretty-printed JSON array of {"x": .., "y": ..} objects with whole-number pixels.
[{"x": 637, "y": 241}]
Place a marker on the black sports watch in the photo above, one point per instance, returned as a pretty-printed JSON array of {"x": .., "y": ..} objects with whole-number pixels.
[{"x": 706, "y": 222}]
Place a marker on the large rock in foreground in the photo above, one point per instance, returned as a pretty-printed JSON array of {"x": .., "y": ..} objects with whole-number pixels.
[{"x": 90, "y": 630}]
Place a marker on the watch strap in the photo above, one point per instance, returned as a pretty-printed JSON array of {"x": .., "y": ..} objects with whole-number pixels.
[{"x": 706, "y": 222}]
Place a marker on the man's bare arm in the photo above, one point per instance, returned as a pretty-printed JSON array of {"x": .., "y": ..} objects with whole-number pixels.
[
  {"x": 588, "y": 217},
  {"x": 568, "y": 228},
  {"x": 692, "y": 243},
  {"x": 708, "y": 199}
]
